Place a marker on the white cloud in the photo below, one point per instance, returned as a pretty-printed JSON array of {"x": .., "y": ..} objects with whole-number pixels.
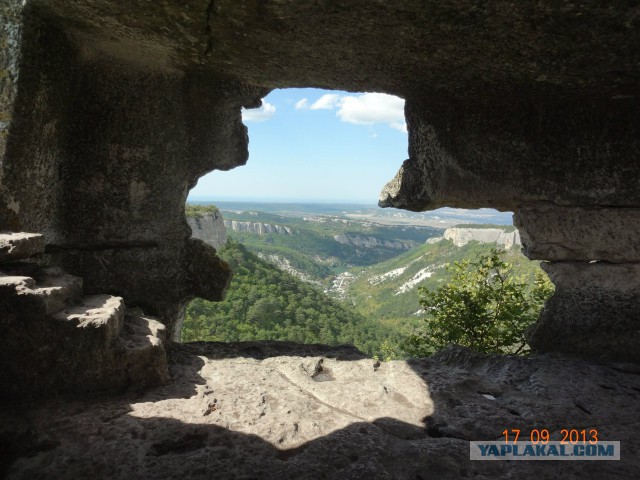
[
  {"x": 328, "y": 101},
  {"x": 302, "y": 104},
  {"x": 265, "y": 112},
  {"x": 363, "y": 109},
  {"x": 371, "y": 108},
  {"x": 399, "y": 125}
]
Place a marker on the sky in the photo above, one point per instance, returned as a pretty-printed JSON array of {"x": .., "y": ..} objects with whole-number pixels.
[{"x": 316, "y": 146}]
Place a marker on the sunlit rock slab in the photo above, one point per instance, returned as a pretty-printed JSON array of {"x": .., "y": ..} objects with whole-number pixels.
[{"x": 277, "y": 410}]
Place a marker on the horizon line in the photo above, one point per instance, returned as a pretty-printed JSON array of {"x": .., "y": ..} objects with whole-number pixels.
[{"x": 281, "y": 200}]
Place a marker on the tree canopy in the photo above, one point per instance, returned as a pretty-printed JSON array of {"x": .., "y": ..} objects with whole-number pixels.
[
  {"x": 265, "y": 303},
  {"x": 483, "y": 307}
]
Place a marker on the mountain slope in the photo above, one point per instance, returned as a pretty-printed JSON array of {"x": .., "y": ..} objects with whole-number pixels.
[
  {"x": 265, "y": 303},
  {"x": 321, "y": 245},
  {"x": 388, "y": 291}
]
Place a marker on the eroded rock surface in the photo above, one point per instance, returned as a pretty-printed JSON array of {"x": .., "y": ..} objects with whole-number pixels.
[
  {"x": 18, "y": 246},
  {"x": 257, "y": 228},
  {"x": 210, "y": 228},
  {"x": 57, "y": 338},
  {"x": 462, "y": 236},
  {"x": 110, "y": 111},
  {"x": 273, "y": 410},
  {"x": 371, "y": 242}
]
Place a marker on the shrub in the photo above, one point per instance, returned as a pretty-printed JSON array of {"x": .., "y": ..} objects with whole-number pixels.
[{"x": 484, "y": 307}]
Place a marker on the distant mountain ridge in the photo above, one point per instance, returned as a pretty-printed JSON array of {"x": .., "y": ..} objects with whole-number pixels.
[
  {"x": 504, "y": 237},
  {"x": 371, "y": 242},
  {"x": 389, "y": 291},
  {"x": 257, "y": 228}
]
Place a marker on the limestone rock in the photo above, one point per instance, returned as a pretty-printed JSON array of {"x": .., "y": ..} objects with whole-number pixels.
[
  {"x": 257, "y": 228},
  {"x": 462, "y": 236},
  {"x": 276, "y": 410},
  {"x": 99, "y": 317},
  {"x": 371, "y": 242},
  {"x": 139, "y": 357},
  {"x": 210, "y": 228},
  {"x": 594, "y": 311},
  {"x": 59, "y": 340},
  {"x": 579, "y": 233},
  {"x": 110, "y": 111},
  {"x": 55, "y": 288},
  {"x": 17, "y": 246}
]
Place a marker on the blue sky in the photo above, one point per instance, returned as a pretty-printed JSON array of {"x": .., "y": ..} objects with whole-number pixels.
[{"x": 317, "y": 146}]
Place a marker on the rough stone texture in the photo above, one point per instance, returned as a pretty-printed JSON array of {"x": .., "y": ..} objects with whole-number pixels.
[
  {"x": 462, "y": 236},
  {"x": 273, "y": 410},
  {"x": 102, "y": 154},
  {"x": 111, "y": 111},
  {"x": 100, "y": 316},
  {"x": 452, "y": 47},
  {"x": 55, "y": 338},
  {"x": 595, "y": 305},
  {"x": 510, "y": 149},
  {"x": 210, "y": 228},
  {"x": 594, "y": 310},
  {"x": 17, "y": 246},
  {"x": 10, "y": 40},
  {"x": 55, "y": 289},
  {"x": 579, "y": 234}
]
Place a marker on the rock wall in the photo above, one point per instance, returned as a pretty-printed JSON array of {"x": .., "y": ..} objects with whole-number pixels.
[
  {"x": 593, "y": 260},
  {"x": 210, "y": 228},
  {"x": 371, "y": 242},
  {"x": 91, "y": 162},
  {"x": 257, "y": 228},
  {"x": 111, "y": 111},
  {"x": 462, "y": 236}
]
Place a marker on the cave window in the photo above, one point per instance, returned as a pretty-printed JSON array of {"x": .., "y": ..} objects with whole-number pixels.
[{"x": 305, "y": 204}]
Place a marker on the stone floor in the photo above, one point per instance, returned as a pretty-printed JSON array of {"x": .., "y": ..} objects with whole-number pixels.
[{"x": 270, "y": 410}]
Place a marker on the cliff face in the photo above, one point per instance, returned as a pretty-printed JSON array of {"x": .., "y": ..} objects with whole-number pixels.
[
  {"x": 462, "y": 236},
  {"x": 370, "y": 242},
  {"x": 257, "y": 228},
  {"x": 210, "y": 228}
]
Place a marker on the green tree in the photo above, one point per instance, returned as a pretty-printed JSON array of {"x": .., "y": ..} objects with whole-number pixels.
[
  {"x": 266, "y": 303},
  {"x": 483, "y": 307}
]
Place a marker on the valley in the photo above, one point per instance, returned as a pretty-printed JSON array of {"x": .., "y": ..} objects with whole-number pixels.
[{"x": 293, "y": 262}]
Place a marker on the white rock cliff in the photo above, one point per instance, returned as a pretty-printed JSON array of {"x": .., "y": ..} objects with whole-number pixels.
[
  {"x": 462, "y": 236},
  {"x": 256, "y": 227}
]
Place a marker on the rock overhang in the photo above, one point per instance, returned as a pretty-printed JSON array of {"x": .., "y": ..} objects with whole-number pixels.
[
  {"x": 113, "y": 109},
  {"x": 400, "y": 47},
  {"x": 118, "y": 108}
]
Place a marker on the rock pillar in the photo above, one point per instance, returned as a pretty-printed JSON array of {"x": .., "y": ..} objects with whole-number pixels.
[
  {"x": 568, "y": 167},
  {"x": 593, "y": 257}
]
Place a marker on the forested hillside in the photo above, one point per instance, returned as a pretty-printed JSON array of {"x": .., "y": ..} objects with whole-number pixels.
[
  {"x": 388, "y": 292},
  {"x": 363, "y": 294},
  {"x": 265, "y": 303},
  {"x": 312, "y": 249}
]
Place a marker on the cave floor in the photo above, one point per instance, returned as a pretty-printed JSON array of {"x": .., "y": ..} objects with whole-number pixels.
[{"x": 277, "y": 410}]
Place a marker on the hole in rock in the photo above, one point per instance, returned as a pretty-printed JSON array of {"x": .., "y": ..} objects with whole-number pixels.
[{"x": 315, "y": 260}]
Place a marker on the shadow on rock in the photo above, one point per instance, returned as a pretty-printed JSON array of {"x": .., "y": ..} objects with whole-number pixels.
[{"x": 256, "y": 410}]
